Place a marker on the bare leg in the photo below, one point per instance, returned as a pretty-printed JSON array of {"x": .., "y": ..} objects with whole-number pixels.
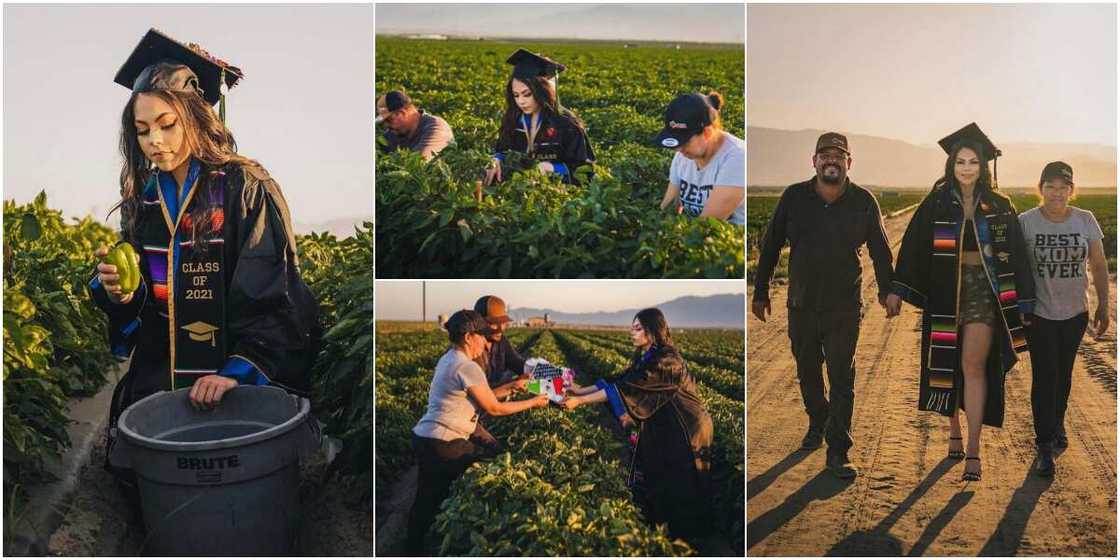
[
  {"x": 955, "y": 432},
  {"x": 974, "y": 356}
]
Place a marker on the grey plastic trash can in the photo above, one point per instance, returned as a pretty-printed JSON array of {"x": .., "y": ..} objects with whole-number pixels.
[{"x": 220, "y": 482}]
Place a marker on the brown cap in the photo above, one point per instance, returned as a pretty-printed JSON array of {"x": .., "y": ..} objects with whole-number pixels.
[
  {"x": 833, "y": 140},
  {"x": 492, "y": 308}
]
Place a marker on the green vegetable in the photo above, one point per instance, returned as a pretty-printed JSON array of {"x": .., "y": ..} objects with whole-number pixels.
[{"x": 123, "y": 256}]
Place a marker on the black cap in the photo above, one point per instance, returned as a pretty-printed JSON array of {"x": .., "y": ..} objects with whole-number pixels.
[
  {"x": 467, "y": 321},
  {"x": 160, "y": 62},
  {"x": 396, "y": 100},
  {"x": 833, "y": 140},
  {"x": 1057, "y": 170},
  {"x": 971, "y": 132},
  {"x": 686, "y": 116},
  {"x": 528, "y": 65}
]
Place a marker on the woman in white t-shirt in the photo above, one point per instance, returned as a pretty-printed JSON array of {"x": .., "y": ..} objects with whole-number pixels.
[
  {"x": 442, "y": 439},
  {"x": 1063, "y": 243},
  {"x": 708, "y": 173}
]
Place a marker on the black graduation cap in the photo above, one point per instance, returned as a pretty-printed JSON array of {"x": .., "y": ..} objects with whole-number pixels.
[
  {"x": 531, "y": 65},
  {"x": 155, "y": 48},
  {"x": 971, "y": 132}
]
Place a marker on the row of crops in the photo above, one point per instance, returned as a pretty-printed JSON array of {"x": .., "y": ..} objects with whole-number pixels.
[
  {"x": 55, "y": 346},
  {"x": 430, "y": 223},
  {"x": 560, "y": 489}
]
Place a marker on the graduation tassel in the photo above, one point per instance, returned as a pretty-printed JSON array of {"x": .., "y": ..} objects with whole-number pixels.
[
  {"x": 222, "y": 96},
  {"x": 995, "y": 169}
]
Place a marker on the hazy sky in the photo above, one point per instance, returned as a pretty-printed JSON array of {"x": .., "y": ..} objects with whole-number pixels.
[
  {"x": 714, "y": 23},
  {"x": 402, "y": 301},
  {"x": 304, "y": 109},
  {"x": 1033, "y": 73}
]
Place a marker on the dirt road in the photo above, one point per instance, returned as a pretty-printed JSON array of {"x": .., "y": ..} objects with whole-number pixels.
[{"x": 909, "y": 499}]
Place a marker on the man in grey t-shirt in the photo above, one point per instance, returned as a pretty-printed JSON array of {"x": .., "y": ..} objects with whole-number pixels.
[{"x": 409, "y": 128}]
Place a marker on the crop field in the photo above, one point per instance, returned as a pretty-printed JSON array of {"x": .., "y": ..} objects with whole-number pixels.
[
  {"x": 429, "y": 223},
  {"x": 561, "y": 487}
]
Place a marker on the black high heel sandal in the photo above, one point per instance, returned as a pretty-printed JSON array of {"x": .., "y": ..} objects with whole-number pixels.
[
  {"x": 971, "y": 476},
  {"x": 956, "y": 455}
]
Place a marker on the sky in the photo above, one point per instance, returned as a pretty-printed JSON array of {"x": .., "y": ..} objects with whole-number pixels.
[
  {"x": 304, "y": 109},
  {"x": 401, "y": 300},
  {"x": 1025, "y": 73},
  {"x": 713, "y": 23}
]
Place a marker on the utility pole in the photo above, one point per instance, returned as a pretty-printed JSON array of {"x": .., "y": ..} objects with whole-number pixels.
[{"x": 424, "y": 299}]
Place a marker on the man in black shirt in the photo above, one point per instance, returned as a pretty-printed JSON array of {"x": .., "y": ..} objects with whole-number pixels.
[
  {"x": 826, "y": 221},
  {"x": 500, "y": 360}
]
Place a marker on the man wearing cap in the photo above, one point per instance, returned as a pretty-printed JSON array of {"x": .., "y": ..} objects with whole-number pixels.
[
  {"x": 500, "y": 360},
  {"x": 707, "y": 177},
  {"x": 409, "y": 128},
  {"x": 826, "y": 220},
  {"x": 442, "y": 438}
]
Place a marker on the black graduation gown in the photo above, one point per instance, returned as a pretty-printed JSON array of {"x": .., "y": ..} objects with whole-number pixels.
[
  {"x": 558, "y": 140},
  {"x": 263, "y": 312},
  {"x": 927, "y": 276},
  {"x": 674, "y": 445}
]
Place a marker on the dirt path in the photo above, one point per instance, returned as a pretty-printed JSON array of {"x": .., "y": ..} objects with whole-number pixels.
[{"x": 909, "y": 500}]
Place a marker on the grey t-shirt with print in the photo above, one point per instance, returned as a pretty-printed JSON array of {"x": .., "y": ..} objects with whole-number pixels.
[
  {"x": 1059, "y": 255},
  {"x": 727, "y": 168},
  {"x": 451, "y": 414}
]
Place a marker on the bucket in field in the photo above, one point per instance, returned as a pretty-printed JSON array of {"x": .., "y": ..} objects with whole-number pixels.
[{"x": 220, "y": 482}]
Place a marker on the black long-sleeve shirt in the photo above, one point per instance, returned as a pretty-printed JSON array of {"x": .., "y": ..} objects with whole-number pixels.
[
  {"x": 825, "y": 241},
  {"x": 501, "y": 362}
]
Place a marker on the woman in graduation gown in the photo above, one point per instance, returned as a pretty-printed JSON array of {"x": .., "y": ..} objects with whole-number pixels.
[
  {"x": 674, "y": 440},
  {"x": 220, "y": 301},
  {"x": 535, "y": 125},
  {"x": 963, "y": 262}
]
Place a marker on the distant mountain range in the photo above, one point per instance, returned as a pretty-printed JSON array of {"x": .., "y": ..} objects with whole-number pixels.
[
  {"x": 781, "y": 157},
  {"x": 340, "y": 227},
  {"x": 723, "y": 310}
]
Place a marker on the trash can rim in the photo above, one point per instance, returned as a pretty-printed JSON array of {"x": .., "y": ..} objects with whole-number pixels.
[{"x": 280, "y": 429}]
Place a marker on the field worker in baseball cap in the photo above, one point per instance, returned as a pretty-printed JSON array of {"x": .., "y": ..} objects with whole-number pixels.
[
  {"x": 442, "y": 439},
  {"x": 708, "y": 175},
  {"x": 409, "y": 128}
]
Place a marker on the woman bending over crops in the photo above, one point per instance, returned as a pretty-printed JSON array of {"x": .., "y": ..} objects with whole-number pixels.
[
  {"x": 536, "y": 127},
  {"x": 1063, "y": 244},
  {"x": 707, "y": 176},
  {"x": 208, "y": 293},
  {"x": 672, "y": 450},
  {"x": 963, "y": 262},
  {"x": 447, "y": 439}
]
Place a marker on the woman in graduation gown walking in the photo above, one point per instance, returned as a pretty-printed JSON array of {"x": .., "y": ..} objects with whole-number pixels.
[
  {"x": 220, "y": 302},
  {"x": 535, "y": 125},
  {"x": 963, "y": 262}
]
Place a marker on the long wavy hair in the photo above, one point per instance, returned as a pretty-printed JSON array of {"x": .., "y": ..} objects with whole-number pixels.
[
  {"x": 949, "y": 179},
  {"x": 544, "y": 93},
  {"x": 209, "y": 142},
  {"x": 657, "y": 328}
]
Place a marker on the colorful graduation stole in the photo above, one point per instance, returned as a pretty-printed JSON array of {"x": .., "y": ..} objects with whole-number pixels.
[
  {"x": 944, "y": 354},
  {"x": 188, "y": 281}
]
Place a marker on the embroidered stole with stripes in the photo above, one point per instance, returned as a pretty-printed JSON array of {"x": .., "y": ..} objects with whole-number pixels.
[
  {"x": 187, "y": 281},
  {"x": 941, "y": 379}
]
